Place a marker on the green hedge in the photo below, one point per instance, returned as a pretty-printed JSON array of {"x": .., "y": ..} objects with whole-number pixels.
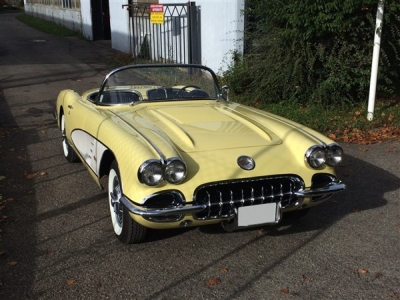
[{"x": 315, "y": 50}]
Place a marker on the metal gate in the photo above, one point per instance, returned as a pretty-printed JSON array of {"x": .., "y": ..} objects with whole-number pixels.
[{"x": 176, "y": 40}]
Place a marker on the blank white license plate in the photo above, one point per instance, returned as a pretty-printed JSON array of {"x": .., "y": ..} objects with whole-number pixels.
[{"x": 258, "y": 214}]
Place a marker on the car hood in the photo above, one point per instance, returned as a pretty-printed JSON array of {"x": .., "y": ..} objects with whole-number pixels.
[{"x": 202, "y": 128}]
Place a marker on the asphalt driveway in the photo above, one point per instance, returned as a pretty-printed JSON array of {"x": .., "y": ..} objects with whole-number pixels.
[{"x": 57, "y": 242}]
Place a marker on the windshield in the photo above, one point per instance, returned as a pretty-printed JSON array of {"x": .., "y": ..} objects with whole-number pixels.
[{"x": 131, "y": 84}]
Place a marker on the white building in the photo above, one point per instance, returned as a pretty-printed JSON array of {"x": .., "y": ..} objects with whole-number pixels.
[{"x": 220, "y": 24}]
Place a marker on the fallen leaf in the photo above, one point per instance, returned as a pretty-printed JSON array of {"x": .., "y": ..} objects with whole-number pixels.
[
  {"x": 261, "y": 232},
  {"x": 393, "y": 294},
  {"x": 30, "y": 175},
  {"x": 332, "y": 136},
  {"x": 378, "y": 275},
  {"x": 362, "y": 149},
  {"x": 224, "y": 270},
  {"x": 43, "y": 173},
  {"x": 355, "y": 209},
  {"x": 362, "y": 271},
  {"x": 214, "y": 281},
  {"x": 285, "y": 291},
  {"x": 12, "y": 263},
  {"x": 2, "y": 177},
  {"x": 305, "y": 278},
  {"x": 70, "y": 281}
]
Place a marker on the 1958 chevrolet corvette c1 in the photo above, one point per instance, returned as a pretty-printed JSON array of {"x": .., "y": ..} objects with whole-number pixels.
[{"x": 178, "y": 153}]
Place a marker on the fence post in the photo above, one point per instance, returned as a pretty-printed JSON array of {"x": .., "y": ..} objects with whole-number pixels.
[{"x": 194, "y": 47}]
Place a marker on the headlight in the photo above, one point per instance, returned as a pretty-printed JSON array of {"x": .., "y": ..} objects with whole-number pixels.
[
  {"x": 175, "y": 170},
  {"x": 315, "y": 156},
  {"x": 151, "y": 173},
  {"x": 334, "y": 155}
]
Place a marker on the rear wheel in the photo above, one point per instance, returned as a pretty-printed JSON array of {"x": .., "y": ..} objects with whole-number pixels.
[
  {"x": 126, "y": 229},
  {"x": 69, "y": 153}
]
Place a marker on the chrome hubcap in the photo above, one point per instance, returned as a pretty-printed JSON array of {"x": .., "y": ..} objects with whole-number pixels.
[{"x": 115, "y": 197}]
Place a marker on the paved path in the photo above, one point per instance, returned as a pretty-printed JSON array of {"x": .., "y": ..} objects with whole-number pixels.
[{"x": 57, "y": 241}]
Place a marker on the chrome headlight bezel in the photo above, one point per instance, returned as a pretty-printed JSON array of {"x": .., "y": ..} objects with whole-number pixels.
[
  {"x": 151, "y": 172},
  {"x": 175, "y": 170},
  {"x": 334, "y": 155},
  {"x": 316, "y": 156},
  {"x": 319, "y": 155}
]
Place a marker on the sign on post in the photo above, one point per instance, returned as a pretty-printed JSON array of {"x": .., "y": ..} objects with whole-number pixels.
[{"x": 157, "y": 13}]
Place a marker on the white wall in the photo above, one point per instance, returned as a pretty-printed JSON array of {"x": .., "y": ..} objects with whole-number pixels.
[
  {"x": 66, "y": 17},
  {"x": 120, "y": 28},
  {"x": 86, "y": 14}
]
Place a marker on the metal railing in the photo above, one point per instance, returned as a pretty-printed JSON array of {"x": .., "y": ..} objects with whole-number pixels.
[{"x": 175, "y": 40}]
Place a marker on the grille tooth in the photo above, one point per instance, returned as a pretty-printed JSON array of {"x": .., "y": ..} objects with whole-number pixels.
[
  {"x": 209, "y": 204},
  {"x": 223, "y": 198},
  {"x": 262, "y": 195},
  {"x": 221, "y": 203}
]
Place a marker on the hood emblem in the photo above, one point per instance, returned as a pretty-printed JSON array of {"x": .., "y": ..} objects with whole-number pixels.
[{"x": 246, "y": 162}]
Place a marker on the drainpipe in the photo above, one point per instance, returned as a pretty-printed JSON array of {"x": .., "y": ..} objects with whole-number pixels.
[{"x": 375, "y": 60}]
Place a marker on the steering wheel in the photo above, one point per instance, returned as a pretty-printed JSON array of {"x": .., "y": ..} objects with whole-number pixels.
[{"x": 186, "y": 87}]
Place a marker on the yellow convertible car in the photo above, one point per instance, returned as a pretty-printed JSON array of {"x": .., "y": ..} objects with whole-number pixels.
[{"x": 178, "y": 153}]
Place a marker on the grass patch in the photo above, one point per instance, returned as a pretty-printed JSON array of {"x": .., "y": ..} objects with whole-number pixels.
[{"x": 46, "y": 26}]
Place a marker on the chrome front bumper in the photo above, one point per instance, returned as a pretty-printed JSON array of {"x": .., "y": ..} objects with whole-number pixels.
[{"x": 327, "y": 190}]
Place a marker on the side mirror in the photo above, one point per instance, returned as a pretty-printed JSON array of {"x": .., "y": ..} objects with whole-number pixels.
[{"x": 225, "y": 92}]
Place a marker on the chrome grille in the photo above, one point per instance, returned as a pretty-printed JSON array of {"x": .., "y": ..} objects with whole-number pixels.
[{"x": 223, "y": 198}]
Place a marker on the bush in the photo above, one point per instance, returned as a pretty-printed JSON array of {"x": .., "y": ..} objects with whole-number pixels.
[{"x": 315, "y": 50}]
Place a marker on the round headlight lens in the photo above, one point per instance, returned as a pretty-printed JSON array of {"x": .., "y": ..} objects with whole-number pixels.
[
  {"x": 175, "y": 171},
  {"x": 151, "y": 173},
  {"x": 316, "y": 157},
  {"x": 334, "y": 155}
]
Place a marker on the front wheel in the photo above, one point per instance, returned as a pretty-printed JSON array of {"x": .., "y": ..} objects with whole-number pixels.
[
  {"x": 69, "y": 153},
  {"x": 126, "y": 229}
]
